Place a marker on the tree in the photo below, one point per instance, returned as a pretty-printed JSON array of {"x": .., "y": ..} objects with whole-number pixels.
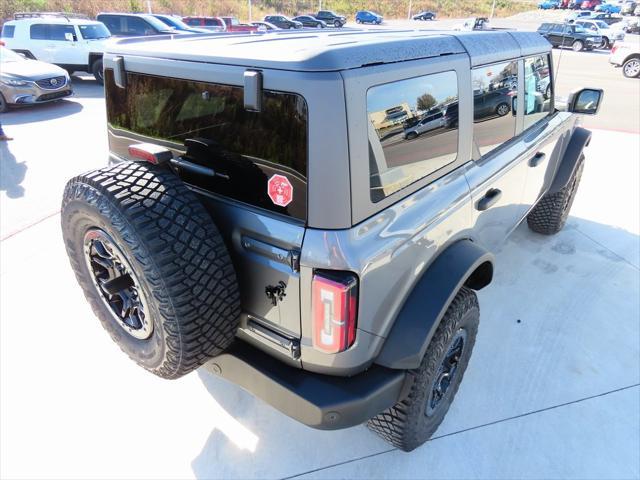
[{"x": 426, "y": 101}]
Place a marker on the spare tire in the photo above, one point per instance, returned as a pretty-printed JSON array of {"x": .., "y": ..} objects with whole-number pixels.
[{"x": 152, "y": 265}]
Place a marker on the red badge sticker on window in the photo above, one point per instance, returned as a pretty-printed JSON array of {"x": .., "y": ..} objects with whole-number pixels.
[{"x": 280, "y": 190}]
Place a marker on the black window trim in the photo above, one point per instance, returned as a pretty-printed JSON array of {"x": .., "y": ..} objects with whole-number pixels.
[{"x": 475, "y": 150}]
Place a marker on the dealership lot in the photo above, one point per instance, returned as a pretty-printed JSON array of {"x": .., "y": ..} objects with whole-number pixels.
[{"x": 552, "y": 391}]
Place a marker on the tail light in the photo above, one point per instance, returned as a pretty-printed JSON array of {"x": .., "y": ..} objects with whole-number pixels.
[
  {"x": 150, "y": 152},
  {"x": 613, "y": 50},
  {"x": 334, "y": 304}
]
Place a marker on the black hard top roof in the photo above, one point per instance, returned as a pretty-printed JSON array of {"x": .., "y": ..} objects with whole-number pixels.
[{"x": 333, "y": 51}]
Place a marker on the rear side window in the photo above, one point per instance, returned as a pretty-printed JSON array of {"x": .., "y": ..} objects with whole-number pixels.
[
  {"x": 538, "y": 89},
  {"x": 112, "y": 23},
  {"x": 137, "y": 26},
  {"x": 38, "y": 31},
  {"x": 209, "y": 120},
  {"x": 8, "y": 31},
  {"x": 413, "y": 130},
  {"x": 212, "y": 22},
  {"x": 494, "y": 88}
]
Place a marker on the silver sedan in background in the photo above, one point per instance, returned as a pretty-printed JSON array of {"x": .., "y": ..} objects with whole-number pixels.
[{"x": 25, "y": 82}]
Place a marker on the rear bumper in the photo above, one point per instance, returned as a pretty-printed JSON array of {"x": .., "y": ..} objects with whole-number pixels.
[{"x": 319, "y": 401}]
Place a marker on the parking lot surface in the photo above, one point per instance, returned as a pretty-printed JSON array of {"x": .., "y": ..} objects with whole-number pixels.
[{"x": 552, "y": 390}]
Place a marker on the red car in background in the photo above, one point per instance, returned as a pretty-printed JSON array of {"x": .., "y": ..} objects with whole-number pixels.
[
  {"x": 234, "y": 25},
  {"x": 215, "y": 24},
  {"x": 590, "y": 4}
]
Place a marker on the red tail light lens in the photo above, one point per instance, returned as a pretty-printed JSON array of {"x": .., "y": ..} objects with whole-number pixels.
[
  {"x": 149, "y": 152},
  {"x": 613, "y": 50},
  {"x": 334, "y": 303}
]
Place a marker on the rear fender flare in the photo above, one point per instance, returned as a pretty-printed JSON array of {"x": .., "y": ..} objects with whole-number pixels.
[{"x": 464, "y": 263}]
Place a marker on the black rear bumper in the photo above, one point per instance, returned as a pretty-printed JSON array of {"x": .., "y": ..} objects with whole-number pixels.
[{"x": 319, "y": 401}]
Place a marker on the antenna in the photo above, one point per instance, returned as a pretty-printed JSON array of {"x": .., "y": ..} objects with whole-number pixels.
[{"x": 564, "y": 30}]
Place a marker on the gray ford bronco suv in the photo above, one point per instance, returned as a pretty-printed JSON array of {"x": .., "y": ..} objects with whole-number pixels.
[{"x": 266, "y": 216}]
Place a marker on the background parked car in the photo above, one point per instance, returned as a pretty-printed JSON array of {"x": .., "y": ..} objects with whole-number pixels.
[
  {"x": 265, "y": 26},
  {"x": 608, "y": 8},
  {"x": 574, "y": 16},
  {"x": 211, "y": 24},
  {"x": 134, "y": 25},
  {"x": 331, "y": 18},
  {"x": 628, "y": 8},
  {"x": 626, "y": 54},
  {"x": 425, "y": 15},
  {"x": 605, "y": 17},
  {"x": 234, "y": 25},
  {"x": 569, "y": 35},
  {"x": 71, "y": 42},
  {"x": 177, "y": 23},
  {"x": 636, "y": 12},
  {"x": 282, "y": 21},
  {"x": 309, "y": 21},
  {"x": 590, "y": 4},
  {"x": 548, "y": 4},
  {"x": 28, "y": 82},
  {"x": 598, "y": 27},
  {"x": 366, "y": 16}
]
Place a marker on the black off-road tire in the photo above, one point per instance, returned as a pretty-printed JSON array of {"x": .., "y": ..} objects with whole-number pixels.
[
  {"x": 550, "y": 214},
  {"x": 406, "y": 424},
  {"x": 97, "y": 71},
  {"x": 175, "y": 252}
]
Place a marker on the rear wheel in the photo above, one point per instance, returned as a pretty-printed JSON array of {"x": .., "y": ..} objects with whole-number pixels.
[
  {"x": 631, "y": 68},
  {"x": 502, "y": 109},
  {"x": 97, "y": 71},
  {"x": 152, "y": 265},
  {"x": 577, "y": 46},
  {"x": 433, "y": 385}
]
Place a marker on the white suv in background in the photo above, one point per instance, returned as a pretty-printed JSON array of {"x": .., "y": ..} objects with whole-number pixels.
[
  {"x": 598, "y": 27},
  {"x": 73, "y": 43}
]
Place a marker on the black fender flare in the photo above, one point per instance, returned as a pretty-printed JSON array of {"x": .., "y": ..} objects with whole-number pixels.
[
  {"x": 580, "y": 139},
  {"x": 464, "y": 263}
]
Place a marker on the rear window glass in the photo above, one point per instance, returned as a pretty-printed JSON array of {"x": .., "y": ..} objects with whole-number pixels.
[
  {"x": 413, "y": 130},
  {"x": 494, "y": 88},
  {"x": 8, "y": 30},
  {"x": 210, "y": 122}
]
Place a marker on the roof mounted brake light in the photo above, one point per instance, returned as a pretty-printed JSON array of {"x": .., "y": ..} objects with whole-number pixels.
[{"x": 149, "y": 152}]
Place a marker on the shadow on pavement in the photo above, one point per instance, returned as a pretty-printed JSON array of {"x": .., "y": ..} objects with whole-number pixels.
[
  {"x": 87, "y": 87},
  {"x": 250, "y": 439},
  {"x": 12, "y": 173},
  {"x": 39, "y": 113}
]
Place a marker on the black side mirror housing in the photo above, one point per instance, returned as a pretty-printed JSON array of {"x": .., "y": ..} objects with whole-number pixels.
[{"x": 585, "y": 101}]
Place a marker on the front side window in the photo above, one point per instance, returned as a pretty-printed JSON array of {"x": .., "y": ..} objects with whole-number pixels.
[
  {"x": 94, "y": 31},
  {"x": 58, "y": 32},
  {"x": 137, "y": 26},
  {"x": 494, "y": 89},
  {"x": 538, "y": 89},
  {"x": 208, "y": 120},
  {"x": 413, "y": 130},
  {"x": 38, "y": 31}
]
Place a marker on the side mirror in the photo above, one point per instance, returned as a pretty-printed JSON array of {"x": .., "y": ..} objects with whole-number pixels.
[
  {"x": 69, "y": 37},
  {"x": 586, "y": 101}
]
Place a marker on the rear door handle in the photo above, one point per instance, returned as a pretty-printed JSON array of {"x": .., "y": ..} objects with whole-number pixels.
[
  {"x": 489, "y": 199},
  {"x": 537, "y": 159}
]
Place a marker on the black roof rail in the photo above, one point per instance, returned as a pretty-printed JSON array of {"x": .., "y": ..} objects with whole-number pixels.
[{"x": 22, "y": 15}]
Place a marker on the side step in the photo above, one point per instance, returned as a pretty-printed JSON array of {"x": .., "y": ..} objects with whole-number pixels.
[{"x": 319, "y": 401}]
